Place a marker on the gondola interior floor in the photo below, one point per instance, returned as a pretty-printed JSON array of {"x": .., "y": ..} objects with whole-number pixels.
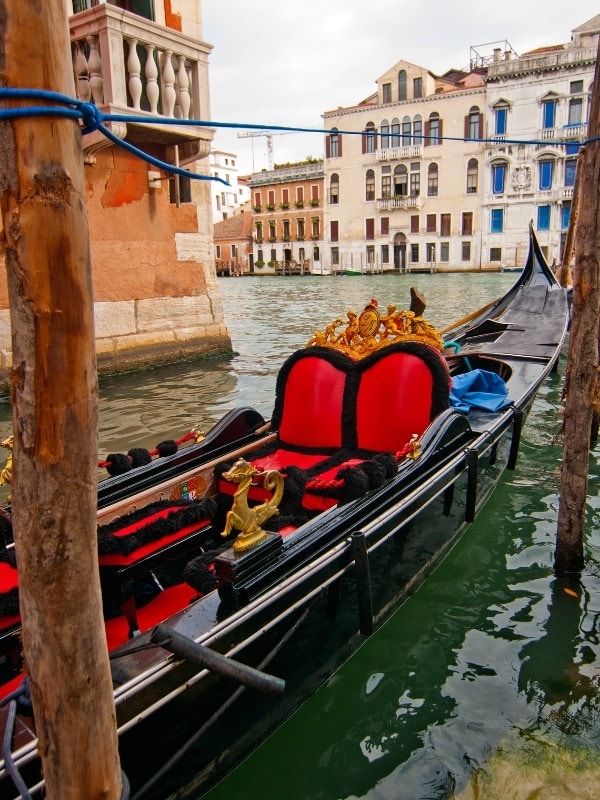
[{"x": 161, "y": 607}]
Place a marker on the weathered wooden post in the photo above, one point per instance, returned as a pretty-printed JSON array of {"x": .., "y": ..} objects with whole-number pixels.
[
  {"x": 55, "y": 407},
  {"x": 583, "y": 353},
  {"x": 564, "y": 274}
]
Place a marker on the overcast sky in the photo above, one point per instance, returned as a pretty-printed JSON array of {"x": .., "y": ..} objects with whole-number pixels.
[{"x": 278, "y": 62}]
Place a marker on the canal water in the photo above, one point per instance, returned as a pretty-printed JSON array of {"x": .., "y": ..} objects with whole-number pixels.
[{"x": 485, "y": 685}]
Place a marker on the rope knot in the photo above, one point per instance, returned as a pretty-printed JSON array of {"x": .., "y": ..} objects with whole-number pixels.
[{"x": 91, "y": 116}]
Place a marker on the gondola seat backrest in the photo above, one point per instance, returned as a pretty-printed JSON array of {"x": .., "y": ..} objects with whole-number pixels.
[
  {"x": 309, "y": 404},
  {"x": 332, "y": 411},
  {"x": 326, "y": 400},
  {"x": 401, "y": 389}
]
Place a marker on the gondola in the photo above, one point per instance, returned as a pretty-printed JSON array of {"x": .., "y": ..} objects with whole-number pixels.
[{"x": 242, "y": 571}]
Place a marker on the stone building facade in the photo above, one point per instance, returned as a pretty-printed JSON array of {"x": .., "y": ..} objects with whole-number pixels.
[
  {"x": 287, "y": 206},
  {"x": 445, "y": 172},
  {"x": 155, "y": 288}
]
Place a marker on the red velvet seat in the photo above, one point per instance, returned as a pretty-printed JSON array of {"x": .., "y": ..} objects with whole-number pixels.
[
  {"x": 134, "y": 545},
  {"x": 327, "y": 404}
]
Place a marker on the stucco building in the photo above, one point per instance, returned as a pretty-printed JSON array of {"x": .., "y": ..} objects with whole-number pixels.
[
  {"x": 151, "y": 238},
  {"x": 233, "y": 244},
  {"x": 287, "y": 206},
  {"x": 426, "y": 173},
  {"x": 228, "y": 200},
  {"x": 541, "y": 97}
]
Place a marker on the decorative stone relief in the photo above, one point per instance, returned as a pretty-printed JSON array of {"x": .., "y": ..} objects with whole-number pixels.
[{"x": 521, "y": 178}]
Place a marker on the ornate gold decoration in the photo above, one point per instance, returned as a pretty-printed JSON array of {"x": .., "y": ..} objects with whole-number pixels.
[
  {"x": 199, "y": 434},
  {"x": 371, "y": 330},
  {"x": 248, "y": 519}
]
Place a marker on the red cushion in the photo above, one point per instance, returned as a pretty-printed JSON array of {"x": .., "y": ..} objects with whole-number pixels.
[
  {"x": 9, "y": 577},
  {"x": 9, "y": 582},
  {"x": 279, "y": 460},
  {"x": 312, "y": 404},
  {"x": 393, "y": 402}
]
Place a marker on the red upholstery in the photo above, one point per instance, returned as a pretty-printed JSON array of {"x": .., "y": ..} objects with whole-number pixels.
[
  {"x": 9, "y": 582},
  {"x": 393, "y": 402},
  {"x": 312, "y": 404},
  {"x": 328, "y": 404}
]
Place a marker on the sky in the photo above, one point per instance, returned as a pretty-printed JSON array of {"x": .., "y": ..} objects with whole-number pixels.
[{"x": 278, "y": 62}]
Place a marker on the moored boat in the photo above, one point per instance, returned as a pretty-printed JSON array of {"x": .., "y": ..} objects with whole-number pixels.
[{"x": 384, "y": 444}]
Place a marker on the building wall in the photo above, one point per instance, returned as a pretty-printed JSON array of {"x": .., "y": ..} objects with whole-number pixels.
[
  {"x": 156, "y": 293},
  {"x": 458, "y": 228},
  {"x": 405, "y": 220},
  {"x": 560, "y": 76},
  {"x": 287, "y": 205},
  {"x": 227, "y": 200}
]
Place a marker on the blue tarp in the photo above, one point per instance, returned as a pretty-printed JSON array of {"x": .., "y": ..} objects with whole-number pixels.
[{"x": 478, "y": 389}]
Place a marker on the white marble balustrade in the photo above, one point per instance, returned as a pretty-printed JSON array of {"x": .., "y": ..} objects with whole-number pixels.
[{"x": 125, "y": 61}]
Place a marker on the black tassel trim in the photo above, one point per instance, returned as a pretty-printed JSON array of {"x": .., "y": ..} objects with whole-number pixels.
[{"x": 184, "y": 513}]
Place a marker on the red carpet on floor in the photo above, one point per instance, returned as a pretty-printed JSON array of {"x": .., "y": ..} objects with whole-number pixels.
[{"x": 157, "y": 610}]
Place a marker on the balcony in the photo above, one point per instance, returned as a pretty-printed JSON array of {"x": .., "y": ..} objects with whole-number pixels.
[
  {"x": 397, "y": 153},
  {"x": 126, "y": 64},
  {"x": 403, "y": 202}
]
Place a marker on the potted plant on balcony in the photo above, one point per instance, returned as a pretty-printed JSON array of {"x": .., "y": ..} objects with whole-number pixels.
[
  {"x": 299, "y": 203},
  {"x": 284, "y": 206},
  {"x": 314, "y": 202},
  {"x": 270, "y": 207},
  {"x": 272, "y": 263},
  {"x": 260, "y": 263}
]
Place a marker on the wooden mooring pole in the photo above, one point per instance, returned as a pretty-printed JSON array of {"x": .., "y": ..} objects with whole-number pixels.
[
  {"x": 55, "y": 413},
  {"x": 581, "y": 389}
]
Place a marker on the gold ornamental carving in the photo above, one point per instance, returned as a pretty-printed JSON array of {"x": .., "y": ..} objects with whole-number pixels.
[
  {"x": 364, "y": 333},
  {"x": 242, "y": 517}
]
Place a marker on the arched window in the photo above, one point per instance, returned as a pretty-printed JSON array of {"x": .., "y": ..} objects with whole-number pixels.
[
  {"x": 433, "y": 129},
  {"x": 369, "y": 138},
  {"x": 473, "y": 123},
  {"x": 400, "y": 181},
  {"x": 333, "y": 144},
  {"x": 472, "y": 176},
  {"x": 499, "y": 169},
  {"x": 432, "y": 180},
  {"x": 384, "y": 131},
  {"x": 406, "y": 131},
  {"x": 395, "y": 132},
  {"x": 417, "y": 129},
  {"x": 546, "y": 168},
  {"x": 402, "y": 84},
  {"x": 370, "y": 185},
  {"x": 334, "y": 189}
]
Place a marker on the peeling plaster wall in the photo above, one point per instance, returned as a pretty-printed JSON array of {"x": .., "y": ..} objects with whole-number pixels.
[{"x": 156, "y": 295}]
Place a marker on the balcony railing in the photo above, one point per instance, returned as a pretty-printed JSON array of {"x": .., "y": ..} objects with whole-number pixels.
[
  {"x": 396, "y": 153},
  {"x": 124, "y": 63},
  {"x": 390, "y": 203}
]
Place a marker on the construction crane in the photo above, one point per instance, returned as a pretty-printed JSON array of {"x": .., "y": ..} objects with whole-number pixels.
[{"x": 269, "y": 137}]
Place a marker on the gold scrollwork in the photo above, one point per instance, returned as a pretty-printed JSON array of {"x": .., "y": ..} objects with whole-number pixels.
[{"x": 371, "y": 330}]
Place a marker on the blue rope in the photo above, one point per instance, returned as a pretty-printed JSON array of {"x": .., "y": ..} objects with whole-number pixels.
[{"x": 94, "y": 119}]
